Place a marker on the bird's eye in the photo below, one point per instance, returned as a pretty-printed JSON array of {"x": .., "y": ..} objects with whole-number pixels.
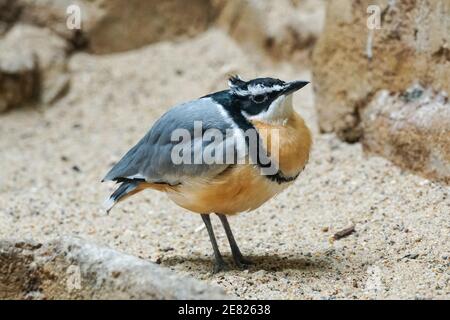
[{"x": 260, "y": 98}]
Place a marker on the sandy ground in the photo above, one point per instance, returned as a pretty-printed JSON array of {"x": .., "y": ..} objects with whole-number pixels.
[{"x": 52, "y": 162}]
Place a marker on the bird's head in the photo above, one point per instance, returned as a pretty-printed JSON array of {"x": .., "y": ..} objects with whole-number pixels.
[{"x": 264, "y": 99}]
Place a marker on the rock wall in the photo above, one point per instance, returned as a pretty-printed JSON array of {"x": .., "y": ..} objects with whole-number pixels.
[
  {"x": 352, "y": 64},
  {"x": 411, "y": 129}
]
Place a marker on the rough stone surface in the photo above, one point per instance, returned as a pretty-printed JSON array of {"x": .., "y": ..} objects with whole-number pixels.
[
  {"x": 25, "y": 43},
  {"x": 52, "y": 14},
  {"x": 130, "y": 24},
  {"x": 118, "y": 25},
  {"x": 18, "y": 76},
  {"x": 9, "y": 13},
  {"x": 352, "y": 63},
  {"x": 412, "y": 129},
  {"x": 70, "y": 268},
  {"x": 282, "y": 29}
]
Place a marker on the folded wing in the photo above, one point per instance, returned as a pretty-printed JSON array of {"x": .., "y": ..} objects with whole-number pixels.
[{"x": 151, "y": 160}]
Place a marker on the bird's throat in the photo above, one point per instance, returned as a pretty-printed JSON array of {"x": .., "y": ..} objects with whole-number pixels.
[{"x": 278, "y": 113}]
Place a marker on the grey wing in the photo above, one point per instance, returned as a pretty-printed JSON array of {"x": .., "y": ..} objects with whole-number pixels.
[{"x": 151, "y": 159}]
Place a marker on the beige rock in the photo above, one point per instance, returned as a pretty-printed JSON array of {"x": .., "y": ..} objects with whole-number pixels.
[
  {"x": 352, "y": 63},
  {"x": 9, "y": 13},
  {"x": 70, "y": 268},
  {"x": 125, "y": 25},
  {"x": 281, "y": 28},
  {"x": 18, "y": 76},
  {"x": 413, "y": 130},
  {"x": 51, "y": 79},
  {"x": 118, "y": 25},
  {"x": 52, "y": 14}
]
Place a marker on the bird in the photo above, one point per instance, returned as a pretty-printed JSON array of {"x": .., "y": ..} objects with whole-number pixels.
[{"x": 242, "y": 183}]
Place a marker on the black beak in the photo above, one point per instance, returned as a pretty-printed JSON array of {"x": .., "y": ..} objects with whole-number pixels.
[{"x": 294, "y": 86}]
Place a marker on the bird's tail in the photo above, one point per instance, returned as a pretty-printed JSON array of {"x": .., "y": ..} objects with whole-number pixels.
[{"x": 124, "y": 190}]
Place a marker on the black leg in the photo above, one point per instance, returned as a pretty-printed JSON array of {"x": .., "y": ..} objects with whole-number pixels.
[
  {"x": 219, "y": 263},
  {"x": 238, "y": 258}
]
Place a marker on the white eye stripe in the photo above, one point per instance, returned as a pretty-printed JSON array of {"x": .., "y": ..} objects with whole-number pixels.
[{"x": 257, "y": 89}]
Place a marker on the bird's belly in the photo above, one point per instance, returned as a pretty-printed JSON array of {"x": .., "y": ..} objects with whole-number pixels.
[{"x": 241, "y": 188}]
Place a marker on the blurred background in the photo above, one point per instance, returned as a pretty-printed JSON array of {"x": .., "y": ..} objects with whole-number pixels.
[{"x": 82, "y": 81}]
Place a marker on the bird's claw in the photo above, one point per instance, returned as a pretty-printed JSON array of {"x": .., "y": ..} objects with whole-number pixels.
[
  {"x": 242, "y": 263},
  {"x": 220, "y": 266}
]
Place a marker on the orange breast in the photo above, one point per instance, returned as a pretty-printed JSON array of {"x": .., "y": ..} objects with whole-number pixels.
[{"x": 293, "y": 143}]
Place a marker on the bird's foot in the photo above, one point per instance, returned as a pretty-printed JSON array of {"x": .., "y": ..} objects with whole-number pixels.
[
  {"x": 241, "y": 262},
  {"x": 219, "y": 266}
]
